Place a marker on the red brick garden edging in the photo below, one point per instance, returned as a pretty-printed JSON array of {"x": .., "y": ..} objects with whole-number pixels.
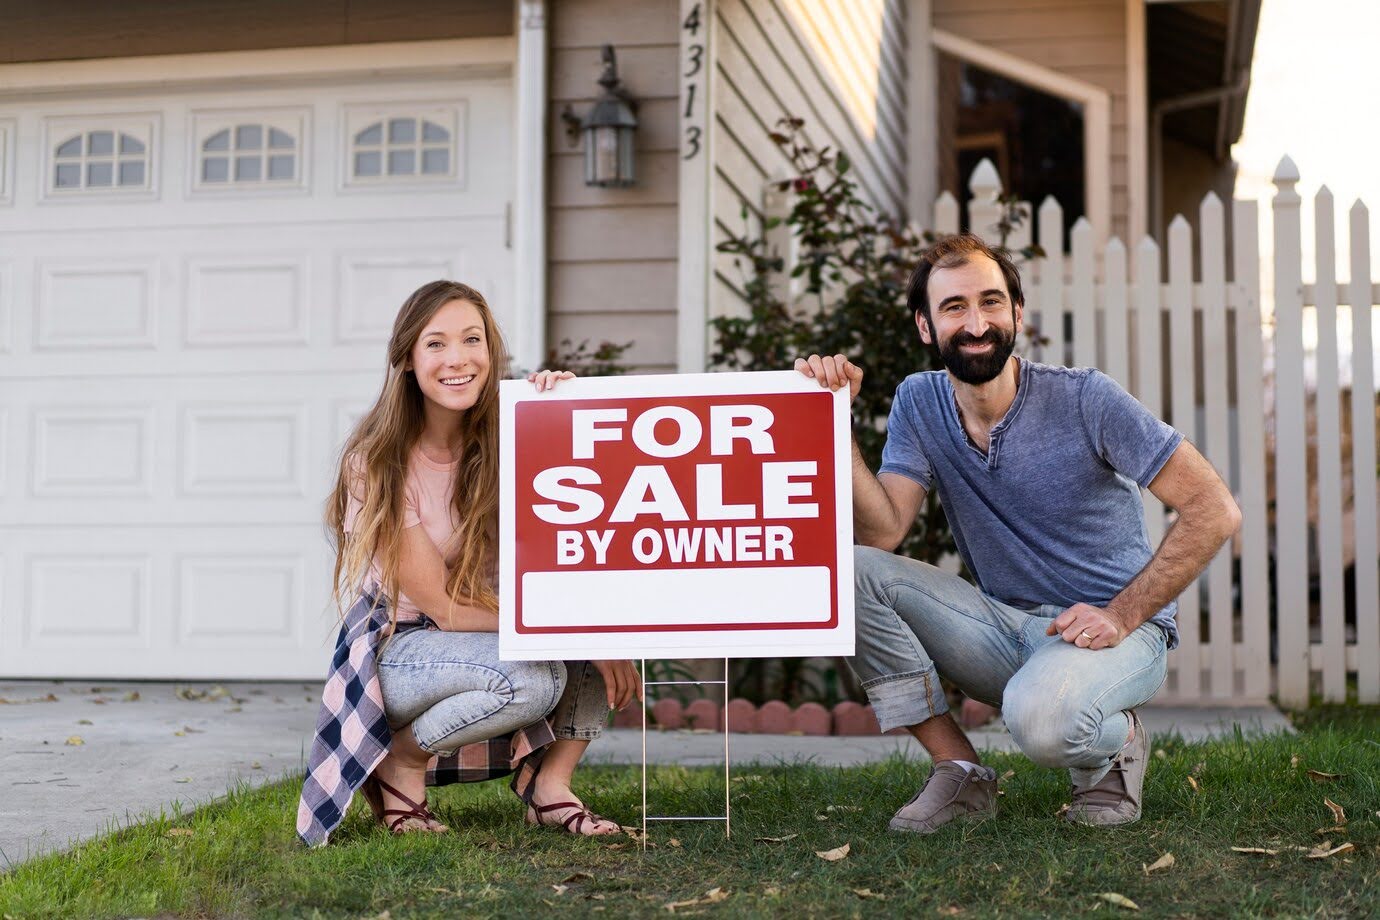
[{"x": 771, "y": 718}]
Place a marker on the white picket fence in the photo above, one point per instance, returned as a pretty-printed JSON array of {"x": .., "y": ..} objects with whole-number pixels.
[{"x": 1233, "y": 649}]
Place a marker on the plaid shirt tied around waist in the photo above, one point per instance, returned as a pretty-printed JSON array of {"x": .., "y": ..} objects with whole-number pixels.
[{"x": 352, "y": 733}]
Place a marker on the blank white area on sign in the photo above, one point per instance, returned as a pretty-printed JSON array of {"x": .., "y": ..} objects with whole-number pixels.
[
  {"x": 242, "y": 601},
  {"x": 96, "y": 306},
  {"x": 246, "y": 302},
  {"x": 373, "y": 289},
  {"x": 244, "y": 451},
  {"x": 96, "y": 452},
  {"x": 666, "y": 597},
  {"x": 89, "y": 599}
]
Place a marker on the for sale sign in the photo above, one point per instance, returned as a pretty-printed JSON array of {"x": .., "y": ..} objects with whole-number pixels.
[{"x": 688, "y": 516}]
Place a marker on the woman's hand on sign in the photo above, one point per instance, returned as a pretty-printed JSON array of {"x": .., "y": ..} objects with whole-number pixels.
[
  {"x": 546, "y": 380},
  {"x": 621, "y": 680},
  {"x": 832, "y": 371}
]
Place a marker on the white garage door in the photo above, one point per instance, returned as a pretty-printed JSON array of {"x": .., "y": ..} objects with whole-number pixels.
[{"x": 195, "y": 289}]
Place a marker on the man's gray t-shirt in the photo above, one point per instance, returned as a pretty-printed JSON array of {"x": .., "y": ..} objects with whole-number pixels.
[{"x": 1052, "y": 513}]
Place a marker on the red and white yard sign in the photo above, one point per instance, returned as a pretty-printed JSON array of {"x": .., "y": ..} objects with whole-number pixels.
[{"x": 679, "y": 516}]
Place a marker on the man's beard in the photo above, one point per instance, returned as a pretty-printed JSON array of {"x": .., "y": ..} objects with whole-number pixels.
[{"x": 980, "y": 368}]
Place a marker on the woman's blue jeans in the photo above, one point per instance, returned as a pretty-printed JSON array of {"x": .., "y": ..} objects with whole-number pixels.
[
  {"x": 1064, "y": 706},
  {"x": 454, "y": 690}
]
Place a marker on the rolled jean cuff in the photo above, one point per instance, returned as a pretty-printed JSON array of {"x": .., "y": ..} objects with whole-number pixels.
[
  {"x": 907, "y": 699},
  {"x": 567, "y": 733}
]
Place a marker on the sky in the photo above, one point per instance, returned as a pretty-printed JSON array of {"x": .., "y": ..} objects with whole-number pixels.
[{"x": 1315, "y": 95}]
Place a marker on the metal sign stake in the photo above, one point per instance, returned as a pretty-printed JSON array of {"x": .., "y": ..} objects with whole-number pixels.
[{"x": 726, "y": 816}]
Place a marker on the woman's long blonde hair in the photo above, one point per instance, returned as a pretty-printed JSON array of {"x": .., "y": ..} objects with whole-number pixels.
[{"x": 374, "y": 461}]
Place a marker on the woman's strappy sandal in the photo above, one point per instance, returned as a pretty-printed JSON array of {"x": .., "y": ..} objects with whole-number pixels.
[
  {"x": 373, "y": 790},
  {"x": 574, "y": 823}
]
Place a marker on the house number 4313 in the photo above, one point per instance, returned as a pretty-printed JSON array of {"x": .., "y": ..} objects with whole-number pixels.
[{"x": 693, "y": 76}]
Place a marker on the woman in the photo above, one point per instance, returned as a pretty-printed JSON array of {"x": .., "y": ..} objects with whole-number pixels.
[{"x": 414, "y": 523}]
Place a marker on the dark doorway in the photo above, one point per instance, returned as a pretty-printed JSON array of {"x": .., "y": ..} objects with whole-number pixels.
[{"x": 1034, "y": 139}]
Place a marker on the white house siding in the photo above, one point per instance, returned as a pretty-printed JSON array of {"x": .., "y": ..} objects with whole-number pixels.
[
  {"x": 839, "y": 65},
  {"x": 1085, "y": 39},
  {"x": 612, "y": 252}
]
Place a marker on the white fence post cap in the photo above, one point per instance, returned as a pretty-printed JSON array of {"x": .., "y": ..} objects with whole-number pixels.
[
  {"x": 985, "y": 183},
  {"x": 1286, "y": 171}
]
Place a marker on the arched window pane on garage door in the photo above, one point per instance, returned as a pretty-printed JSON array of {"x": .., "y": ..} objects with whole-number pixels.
[
  {"x": 102, "y": 158},
  {"x": 252, "y": 154},
  {"x": 401, "y": 147}
]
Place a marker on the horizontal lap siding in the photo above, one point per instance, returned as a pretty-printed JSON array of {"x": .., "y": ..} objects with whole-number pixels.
[
  {"x": 32, "y": 31},
  {"x": 612, "y": 252},
  {"x": 839, "y": 65},
  {"x": 1085, "y": 39}
]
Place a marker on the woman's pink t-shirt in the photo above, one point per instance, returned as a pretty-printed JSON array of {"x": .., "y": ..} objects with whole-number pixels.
[{"x": 427, "y": 495}]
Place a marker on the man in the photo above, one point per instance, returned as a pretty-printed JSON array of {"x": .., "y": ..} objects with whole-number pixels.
[{"x": 1037, "y": 468}]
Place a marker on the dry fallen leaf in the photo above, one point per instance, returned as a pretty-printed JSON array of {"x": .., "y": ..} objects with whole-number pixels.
[
  {"x": 180, "y": 832},
  {"x": 1194, "y": 783},
  {"x": 185, "y": 779},
  {"x": 1063, "y": 810},
  {"x": 1120, "y": 900},
  {"x": 180, "y": 734},
  {"x": 1319, "y": 776},
  {"x": 844, "y": 808},
  {"x": 1324, "y": 851},
  {"x": 866, "y": 893},
  {"x": 85, "y": 722},
  {"x": 775, "y": 839},
  {"x": 256, "y": 766},
  {"x": 1338, "y": 815},
  {"x": 1329, "y": 831},
  {"x": 1160, "y": 754},
  {"x": 560, "y": 889},
  {"x": 673, "y": 842},
  {"x": 771, "y": 891},
  {"x": 574, "y": 877},
  {"x": 835, "y": 854},
  {"x": 951, "y": 910},
  {"x": 712, "y": 896},
  {"x": 74, "y": 741},
  {"x": 1005, "y": 776},
  {"x": 1258, "y": 851},
  {"x": 193, "y": 731},
  {"x": 1164, "y": 862},
  {"x": 130, "y": 697},
  {"x": 1293, "y": 761}
]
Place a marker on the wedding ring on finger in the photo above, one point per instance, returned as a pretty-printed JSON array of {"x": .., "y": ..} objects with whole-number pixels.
[{"x": 1085, "y": 635}]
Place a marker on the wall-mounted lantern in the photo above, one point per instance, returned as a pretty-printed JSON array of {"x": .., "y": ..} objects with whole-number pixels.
[{"x": 607, "y": 131}]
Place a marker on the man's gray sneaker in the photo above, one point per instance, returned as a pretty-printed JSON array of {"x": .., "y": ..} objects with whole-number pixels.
[
  {"x": 950, "y": 792},
  {"x": 1115, "y": 799}
]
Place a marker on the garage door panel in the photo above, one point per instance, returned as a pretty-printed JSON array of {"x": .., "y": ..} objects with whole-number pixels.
[
  {"x": 132, "y": 595},
  {"x": 184, "y": 450}
]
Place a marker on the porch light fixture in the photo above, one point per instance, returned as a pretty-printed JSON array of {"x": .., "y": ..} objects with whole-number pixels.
[{"x": 607, "y": 131}]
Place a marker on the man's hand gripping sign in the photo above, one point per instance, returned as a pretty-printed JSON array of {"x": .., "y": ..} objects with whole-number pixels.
[{"x": 694, "y": 516}]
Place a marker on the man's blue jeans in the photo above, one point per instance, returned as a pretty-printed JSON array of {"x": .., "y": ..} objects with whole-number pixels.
[{"x": 1064, "y": 706}]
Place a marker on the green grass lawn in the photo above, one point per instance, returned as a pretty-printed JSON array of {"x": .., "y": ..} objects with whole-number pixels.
[{"x": 240, "y": 858}]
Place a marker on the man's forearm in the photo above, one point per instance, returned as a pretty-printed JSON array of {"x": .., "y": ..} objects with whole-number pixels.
[
  {"x": 874, "y": 514},
  {"x": 1187, "y": 548}
]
